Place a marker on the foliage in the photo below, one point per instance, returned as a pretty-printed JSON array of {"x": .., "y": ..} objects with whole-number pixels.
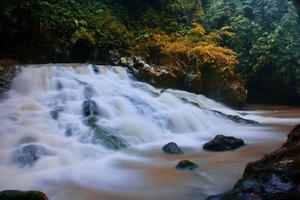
[
  {"x": 198, "y": 50},
  {"x": 256, "y": 38},
  {"x": 267, "y": 42}
]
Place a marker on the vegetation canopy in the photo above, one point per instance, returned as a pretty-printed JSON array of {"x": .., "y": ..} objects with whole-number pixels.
[{"x": 229, "y": 42}]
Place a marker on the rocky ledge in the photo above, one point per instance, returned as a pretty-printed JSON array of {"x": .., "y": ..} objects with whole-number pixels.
[
  {"x": 21, "y": 195},
  {"x": 170, "y": 73},
  {"x": 275, "y": 176}
]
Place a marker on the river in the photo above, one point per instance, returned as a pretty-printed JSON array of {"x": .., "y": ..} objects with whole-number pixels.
[{"x": 44, "y": 110}]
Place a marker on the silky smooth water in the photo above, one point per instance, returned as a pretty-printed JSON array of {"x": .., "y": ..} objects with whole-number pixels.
[{"x": 145, "y": 118}]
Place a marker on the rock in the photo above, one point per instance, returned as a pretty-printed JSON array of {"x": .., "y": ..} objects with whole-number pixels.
[
  {"x": 166, "y": 71},
  {"x": 69, "y": 132},
  {"x": 293, "y": 137},
  {"x": 172, "y": 148},
  {"x": 55, "y": 112},
  {"x": 104, "y": 136},
  {"x": 58, "y": 85},
  {"x": 235, "y": 118},
  {"x": 90, "y": 108},
  {"x": 275, "y": 176},
  {"x": 223, "y": 143},
  {"x": 22, "y": 195},
  {"x": 88, "y": 92},
  {"x": 95, "y": 69},
  {"x": 186, "y": 165},
  {"x": 28, "y": 155},
  {"x": 240, "y": 120}
]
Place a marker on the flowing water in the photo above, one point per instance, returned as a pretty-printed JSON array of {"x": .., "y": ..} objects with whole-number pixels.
[{"x": 47, "y": 142}]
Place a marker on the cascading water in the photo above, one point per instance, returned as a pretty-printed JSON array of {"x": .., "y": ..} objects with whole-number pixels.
[{"x": 91, "y": 132}]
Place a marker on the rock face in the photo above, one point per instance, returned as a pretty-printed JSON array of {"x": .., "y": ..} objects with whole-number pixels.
[
  {"x": 167, "y": 72},
  {"x": 186, "y": 165},
  {"x": 275, "y": 176},
  {"x": 28, "y": 155},
  {"x": 172, "y": 148},
  {"x": 21, "y": 195},
  {"x": 223, "y": 143}
]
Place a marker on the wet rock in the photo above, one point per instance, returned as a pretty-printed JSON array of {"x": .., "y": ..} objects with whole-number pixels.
[
  {"x": 95, "y": 69},
  {"x": 88, "y": 92},
  {"x": 293, "y": 137},
  {"x": 107, "y": 138},
  {"x": 90, "y": 108},
  {"x": 172, "y": 148},
  {"x": 69, "y": 132},
  {"x": 236, "y": 196},
  {"x": 104, "y": 136},
  {"x": 186, "y": 165},
  {"x": 55, "y": 112},
  {"x": 236, "y": 118},
  {"x": 275, "y": 176},
  {"x": 28, "y": 155},
  {"x": 167, "y": 71},
  {"x": 58, "y": 85},
  {"x": 223, "y": 143},
  {"x": 22, "y": 195}
]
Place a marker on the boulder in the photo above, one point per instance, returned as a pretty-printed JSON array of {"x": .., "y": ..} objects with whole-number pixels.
[
  {"x": 90, "y": 108},
  {"x": 22, "y": 195},
  {"x": 275, "y": 176},
  {"x": 186, "y": 165},
  {"x": 223, "y": 143},
  {"x": 172, "y": 148},
  {"x": 27, "y": 155}
]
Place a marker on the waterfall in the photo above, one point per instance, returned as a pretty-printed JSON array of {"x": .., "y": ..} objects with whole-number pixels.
[{"x": 72, "y": 126}]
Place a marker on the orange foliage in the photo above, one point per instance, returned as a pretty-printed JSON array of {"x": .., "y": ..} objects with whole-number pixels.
[{"x": 197, "y": 46}]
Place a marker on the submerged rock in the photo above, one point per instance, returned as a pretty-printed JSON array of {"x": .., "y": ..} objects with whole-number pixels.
[
  {"x": 186, "y": 165},
  {"x": 223, "y": 143},
  {"x": 275, "y": 176},
  {"x": 22, "y": 195},
  {"x": 236, "y": 118},
  {"x": 29, "y": 154},
  {"x": 88, "y": 92},
  {"x": 103, "y": 136},
  {"x": 55, "y": 112},
  {"x": 90, "y": 108},
  {"x": 172, "y": 148}
]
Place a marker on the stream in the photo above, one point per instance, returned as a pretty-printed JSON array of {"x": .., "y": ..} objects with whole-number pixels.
[{"x": 78, "y": 132}]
